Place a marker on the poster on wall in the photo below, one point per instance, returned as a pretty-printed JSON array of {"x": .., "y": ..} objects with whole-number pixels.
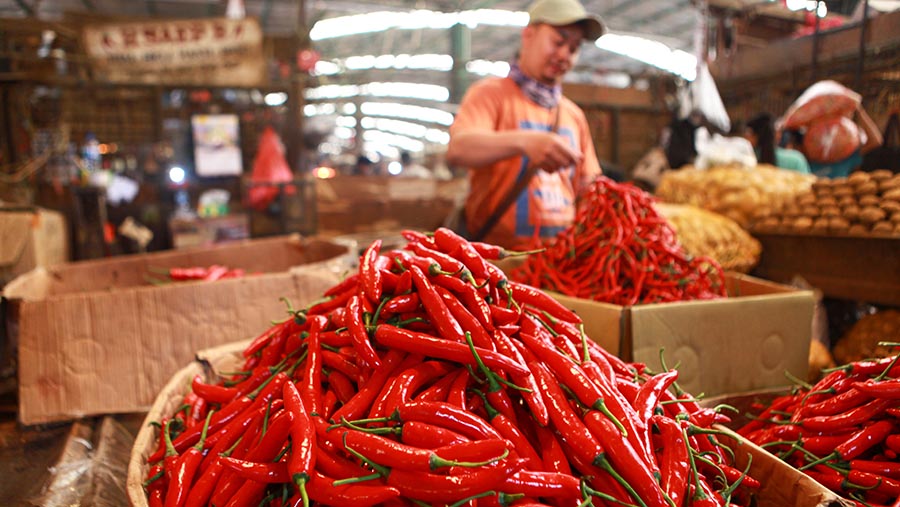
[
  {"x": 205, "y": 52},
  {"x": 217, "y": 147}
]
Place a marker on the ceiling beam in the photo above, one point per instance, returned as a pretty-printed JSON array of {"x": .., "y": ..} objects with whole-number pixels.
[
  {"x": 264, "y": 15},
  {"x": 151, "y": 7},
  {"x": 675, "y": 7},
  {"x": 29, "y": 10},
  {"x": 89, "y": 5},
  {"x": 620, "y": 8}
]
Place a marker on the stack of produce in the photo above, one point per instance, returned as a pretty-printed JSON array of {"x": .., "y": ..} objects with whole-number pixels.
[
  {"x": 734, "y": 192},
  {"x": 862, "y": 204},
  {"x": 429, "y": 378},
  {"x": 620, "y": 250},
  {"x": 710, "y": 234},
  {"x": 862, "y": 340},
  {"x": 842, "y": 431}
]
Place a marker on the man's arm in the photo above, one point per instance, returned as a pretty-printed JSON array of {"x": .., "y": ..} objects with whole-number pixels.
[
  {"x": 873, "y": 135},
  {"x": 478, "y": 148}
]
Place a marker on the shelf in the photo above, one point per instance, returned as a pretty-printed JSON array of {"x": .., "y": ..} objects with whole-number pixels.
[{"x": 845, "y": 267}]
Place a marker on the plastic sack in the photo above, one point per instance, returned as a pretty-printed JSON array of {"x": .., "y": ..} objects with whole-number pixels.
[
  {"x": 269, "y": 169},
  {"x": 706, "y": 99},
  {"x": 825, "y": 98},
  {"x": 716, "y": 150},
  {"x": 831, "y": 139}
]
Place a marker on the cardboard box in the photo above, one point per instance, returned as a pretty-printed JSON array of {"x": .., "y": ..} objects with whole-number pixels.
[
  {"x": 30, "y": 238},
  {"x": 782, "y": 485},
  {"x": 741, "y": 343},
  {"x": 95, "y": 337}
]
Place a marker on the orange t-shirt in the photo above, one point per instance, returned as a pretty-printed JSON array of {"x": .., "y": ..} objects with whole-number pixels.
[{"x": 549, "y": 203}]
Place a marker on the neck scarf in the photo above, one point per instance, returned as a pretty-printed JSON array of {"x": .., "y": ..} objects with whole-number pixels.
[{"x": 537, "y": 92}]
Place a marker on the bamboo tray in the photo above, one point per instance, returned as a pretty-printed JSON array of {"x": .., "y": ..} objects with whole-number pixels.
[{"x": 222, "y": 358}]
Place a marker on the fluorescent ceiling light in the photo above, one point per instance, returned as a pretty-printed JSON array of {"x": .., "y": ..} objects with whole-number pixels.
[
  {"x": 488, "y": 68},
  {"x": 399, "y": 141},
  {"x": 412, "y": 20},
  {"x": 319, "y": 109},
  {"x": 404, "y": 128},
  {"x": 383, "y": 149},
  {"x": 652, "y": 53},
  {"x": 648, "y": 51},
  {"x": 275, "y": 98},
  {"x": 397, "y": 110},
  {"x": 398, "y": 62},
  {"x": 345, "y": 121},
  {"x": 404, "y": 90}
]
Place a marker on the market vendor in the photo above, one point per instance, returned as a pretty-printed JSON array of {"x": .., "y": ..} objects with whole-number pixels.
[
  {"x": 511, "y": 128},
  {"x": 760, "y": 131}
]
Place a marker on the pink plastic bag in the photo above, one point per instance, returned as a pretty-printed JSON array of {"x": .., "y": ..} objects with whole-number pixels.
[
  {"x": 831, "y": 139},
  {"x": 269, "y": 166},
  {"x": 825, "y": 98}
]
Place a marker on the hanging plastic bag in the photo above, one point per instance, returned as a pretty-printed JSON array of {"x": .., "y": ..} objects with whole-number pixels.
[
  {"x": 269, "y": 169},
  {"x": 706, "y": 99},
  {"x": 824, "y": 98},
  {"x": 714, "y": 150},
  {"x": 831, "y": 139}
]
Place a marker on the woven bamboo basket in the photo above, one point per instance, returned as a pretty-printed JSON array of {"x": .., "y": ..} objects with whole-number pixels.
[{"x": 222, "y": 358}]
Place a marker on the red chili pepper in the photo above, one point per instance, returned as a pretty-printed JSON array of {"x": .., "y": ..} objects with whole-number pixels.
[
  {"x": 369, "y": 273},
  {"x": 302, "y": 460},
  {"x": 650, "y": 392},
  {"x": 404, "y": 303},
  {"x": 259, "y": 472},
  {"x": 888, "y": 389},
  {"x": 250, "y": 493},
  {"x": 543, "y": 484},
  {"x": 323, "y": 491},
  {"x": 433, "y": 488},
  {"x": 569, "y": 425},
  {"x": 470, "y": 297},
  {"x": 553, "y": 458},
  {"x": 466, "y": 320},
  {"x": 428, "y": 436},
  {"x": 625, "y": 459},
  {"x": 876, "y": 482},
  {"x": 215, "y": 272},
  {"x": 674, "y": 460},
  {"x": 212, "y": 393},
  {"x": 532, "y": 395},
  {"x": 885, "y": 468},
  {"x": 454, "y": 244},
  {"x": 542, "y": 301},
  {"x": 438, "y": 390},
  {"x": 266, "y": 450},
  {"x": 504, "y": 316},
  {"x": 438, "y": 313},
  {"x": 456, "y": 394},
  {"x": 833, "y": 405},
  {"x": 412, "y": 341},
  {"x": 852, "y": 417},
  {"x": 358, "y": 333},
  {"x": 311, "y": 390},
  {"x": 191, "y": 273},
  {"x": 360, "y": 403},
  {"x": 180, "y": 480},
  {"x": 510, "y": 431},
  {"x": 446, "y": 263},
  {"x": 448, "y": 416},
  {"x": 864, "y": 439}
]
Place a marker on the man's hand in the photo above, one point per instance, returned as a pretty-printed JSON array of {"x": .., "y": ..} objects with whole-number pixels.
[{"x": 548, "y": 151}]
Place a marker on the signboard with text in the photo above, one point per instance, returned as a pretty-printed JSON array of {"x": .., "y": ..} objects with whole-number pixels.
[{"x": 205, "y": 52}]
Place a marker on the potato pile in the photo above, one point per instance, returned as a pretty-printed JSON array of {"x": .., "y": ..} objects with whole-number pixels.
[
  {"x": 734, "y": 192},
  {"x": 861, "y": 341},
  {"x": 703, "y": 232},
  {"x": 863, "y": 204}
]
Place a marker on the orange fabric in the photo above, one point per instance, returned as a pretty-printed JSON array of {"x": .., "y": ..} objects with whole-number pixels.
[{"x": 549, "y": 203}]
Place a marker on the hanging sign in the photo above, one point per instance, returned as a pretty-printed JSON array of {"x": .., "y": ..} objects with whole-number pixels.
[{"x": 207, "y": 52}]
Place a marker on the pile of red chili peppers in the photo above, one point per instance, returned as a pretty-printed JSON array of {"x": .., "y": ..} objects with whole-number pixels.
[
  {"x": 620, "y": 250},
  {"x": 429, "y": 378},
  {"x": 203, "y": 273},
  {"x": 842, "y": 431}
]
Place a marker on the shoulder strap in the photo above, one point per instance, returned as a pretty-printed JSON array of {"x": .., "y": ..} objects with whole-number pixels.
[{"x": 513, "y": 194}]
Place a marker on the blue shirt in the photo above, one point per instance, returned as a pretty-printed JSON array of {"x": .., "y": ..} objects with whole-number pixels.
[{"x": 838, "y": 169}]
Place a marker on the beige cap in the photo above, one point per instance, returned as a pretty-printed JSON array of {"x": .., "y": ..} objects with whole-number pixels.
[{"x": 566, "y": 12}]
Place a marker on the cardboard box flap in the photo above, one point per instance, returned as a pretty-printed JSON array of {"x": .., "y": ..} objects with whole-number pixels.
[
  {"x": 30, "y": 286},
  {"x": 279, "y": 254},
  {"x": 14, "y": 235},
  {"x": 698, "y": 336}
]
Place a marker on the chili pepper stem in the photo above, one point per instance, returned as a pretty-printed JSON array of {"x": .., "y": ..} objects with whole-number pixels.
[
  {"x": 601, "y": 462},
  {"x": 493, "y": 379},
  {"x": 154, "y": 478},
  {"x": 375, "y": 431},
  {"x": 382, "y": 470},
  {"x": 436, "y": 462},
  {"x": 890, "y": 365},
  {"x": 793, "y": 378},
  {"x": 600, "y": 406},
  {"x": 466, "y": 500},
  {"x": 354, "y": 480},
  {"x": 828, "y": 457},
  {"x": 587, "y": 492}
]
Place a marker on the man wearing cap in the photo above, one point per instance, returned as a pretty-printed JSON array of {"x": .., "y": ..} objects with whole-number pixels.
[{"x": 521, "y": 128}]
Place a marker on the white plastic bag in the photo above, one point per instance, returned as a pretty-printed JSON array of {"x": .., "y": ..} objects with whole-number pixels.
[
  {"x": 705, "y": 98},
  {"x": 715, "y": 150}
]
